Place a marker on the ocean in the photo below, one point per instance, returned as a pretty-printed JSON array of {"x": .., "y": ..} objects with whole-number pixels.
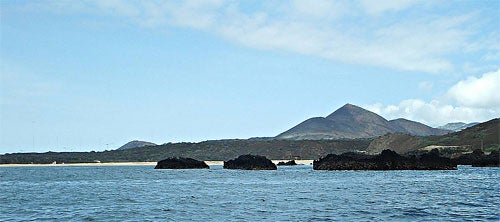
[{"x": 292, "y": 193}]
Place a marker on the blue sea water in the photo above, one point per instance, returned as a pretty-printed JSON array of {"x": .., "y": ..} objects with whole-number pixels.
[{"x": 140, "y": 193}]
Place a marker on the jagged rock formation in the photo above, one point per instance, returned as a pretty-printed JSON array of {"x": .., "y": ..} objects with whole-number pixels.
[
  {"x": 250, "y": 162},
  {"x": 181, "y": 163},
  {"x": 350, "y": 122},
  {"x": 387, "y": 160},
  {"x": 288, "y": 163}
]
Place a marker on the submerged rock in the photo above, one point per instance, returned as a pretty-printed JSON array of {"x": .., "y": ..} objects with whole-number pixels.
[
  {"x": 289, "y": 163},
  {"x": 250, "y": 162},
  {"x": 181, "y": 163},
  {"x": 387, "y": 160}
]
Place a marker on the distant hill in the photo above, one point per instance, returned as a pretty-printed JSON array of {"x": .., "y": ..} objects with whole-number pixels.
[
  {"x": 485, "y": 136},
  {"x": 351, "y": 122},
  {"x": 135, "y": 144},
  {"x": 457, "y": 126}
]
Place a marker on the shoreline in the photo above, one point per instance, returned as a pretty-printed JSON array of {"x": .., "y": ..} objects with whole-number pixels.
[{"x": 208, "y": 162}]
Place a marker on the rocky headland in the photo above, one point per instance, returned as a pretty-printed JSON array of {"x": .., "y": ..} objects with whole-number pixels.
[
  {"x": 250, "y": 162},
  {"x": 181, "y": 163}
]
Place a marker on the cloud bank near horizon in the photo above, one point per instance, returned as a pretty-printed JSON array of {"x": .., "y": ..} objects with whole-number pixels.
[{"x": 470, "y": 100}]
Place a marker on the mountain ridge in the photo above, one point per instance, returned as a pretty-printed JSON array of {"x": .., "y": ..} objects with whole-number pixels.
[
  {"x": 457, "y": 126},
  {"x": 353, "y": 122}
]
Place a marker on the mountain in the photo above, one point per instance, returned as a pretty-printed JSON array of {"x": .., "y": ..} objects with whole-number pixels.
[
  {"x": 457, "y": 126},
  {"x": 350, "y": 122},
  {"x": 135, "y": 144}
]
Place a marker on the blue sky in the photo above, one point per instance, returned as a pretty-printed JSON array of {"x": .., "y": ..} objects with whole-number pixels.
[{"x": 93, "y": 75}]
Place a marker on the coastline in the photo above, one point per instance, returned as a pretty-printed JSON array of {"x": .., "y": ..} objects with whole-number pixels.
[{"x": 208, "y": 162}]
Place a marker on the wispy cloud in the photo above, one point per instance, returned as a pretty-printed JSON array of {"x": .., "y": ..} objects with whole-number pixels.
[
  {"x": 376, "y": 8},
  {"x": 401, "y": 35}
]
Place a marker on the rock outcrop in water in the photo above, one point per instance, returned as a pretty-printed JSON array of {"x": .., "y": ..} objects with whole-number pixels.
[
  {"x": 478, "y": 159},
  {"x": 289, "y": 163},
  {"x": 387, "y": 160},
  {"x": 181, "y": 163},
  {"x": 250, "y": 162}
]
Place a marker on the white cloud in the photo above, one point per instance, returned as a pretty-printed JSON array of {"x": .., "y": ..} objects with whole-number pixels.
[
  {"x": 357, "y": 32},
  {"x": 433, "y": 113},
  {"x": 477, "y": 99},
  {"x": 481, "y": 92}
]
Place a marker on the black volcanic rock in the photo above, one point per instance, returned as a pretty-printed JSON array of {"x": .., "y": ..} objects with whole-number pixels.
[
  {"x": 351, "y": 122},
  {"x": 250, "y": 162},
  {"x": 181, "y": 163},
  {"x": 387, "y": 160},
  {"x": 491, "y": 160},
  {"x": 289, "y": 163},
  {"x": 478, "y": 159},
  {"x": 433, "y": 161}
]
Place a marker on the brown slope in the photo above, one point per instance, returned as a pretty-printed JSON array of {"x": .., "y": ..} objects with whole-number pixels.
[
  {"x": 414, "y": 128},
  {"x": 398, "y": 142}
]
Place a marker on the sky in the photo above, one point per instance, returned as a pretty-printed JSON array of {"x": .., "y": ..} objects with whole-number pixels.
[{"x": 95, "y": 74}]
